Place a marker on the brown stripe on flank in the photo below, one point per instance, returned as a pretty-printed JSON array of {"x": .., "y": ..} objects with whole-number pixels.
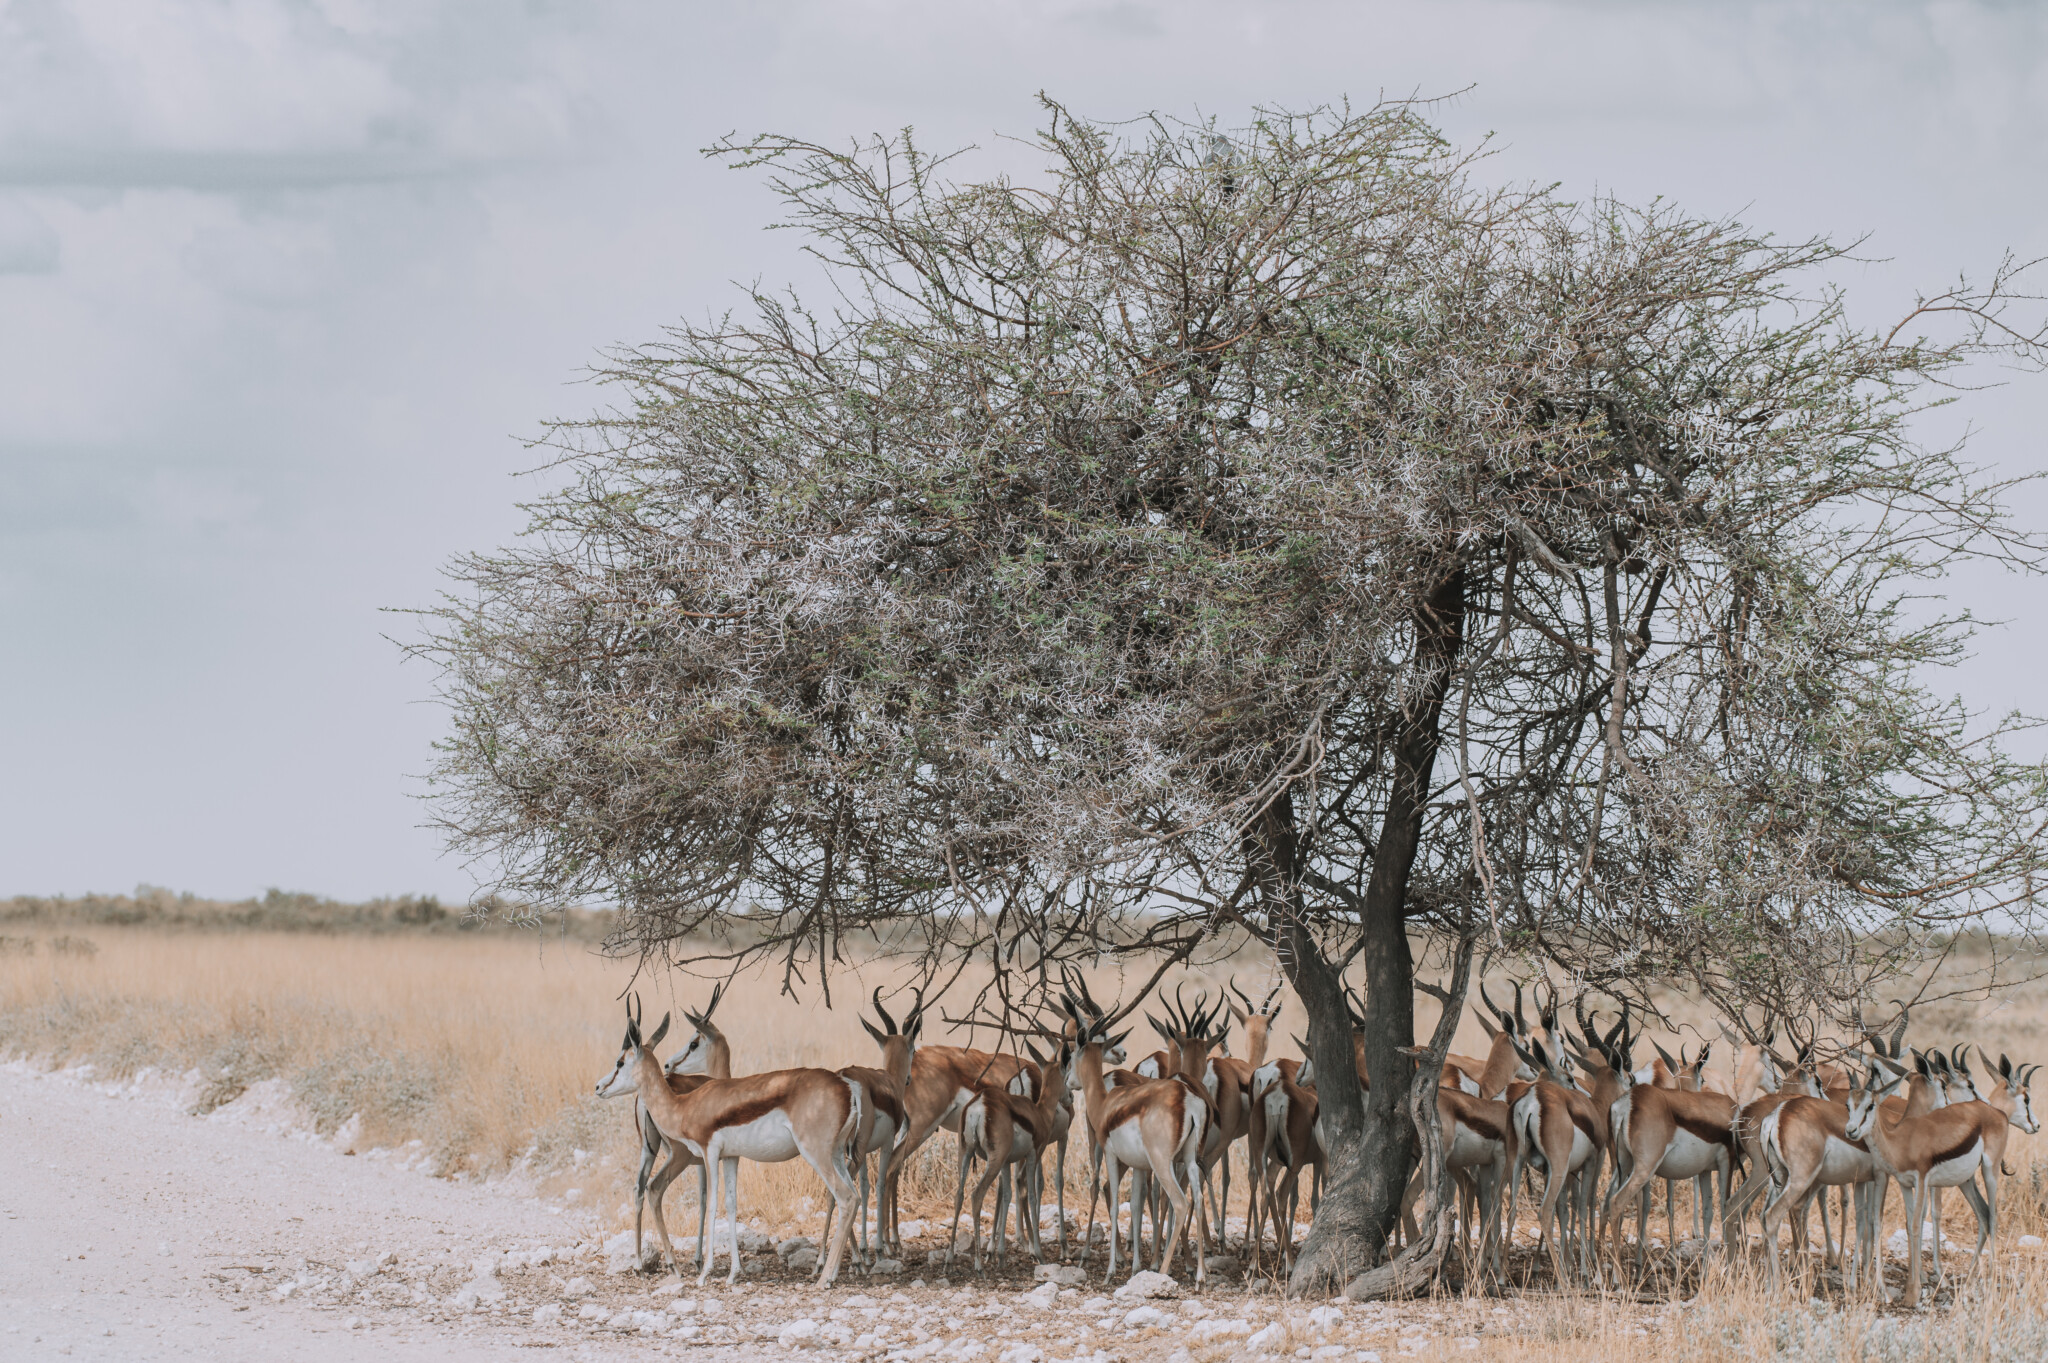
[
  {"x": 1706, "y": 1131},
  {"x": 1963, "y": 1149}
]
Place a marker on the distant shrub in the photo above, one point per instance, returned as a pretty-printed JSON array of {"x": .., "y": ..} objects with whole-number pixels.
[{"x": 285, "y": 911}]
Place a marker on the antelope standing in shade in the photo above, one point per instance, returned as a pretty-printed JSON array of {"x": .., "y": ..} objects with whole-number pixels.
[
  {"x": 1557, "y": 1128},
  {"x": 1154, "y": 1127},
  {"x": 767, "y": 1118},
  {"x": 1947, "y": 1148},
  {"x": 1010, "y": 1133},
  {"x": 882, "y": 1118},
  {"x": 1257, "y": 1022},
  {"x": 1665, "y": 1133},
  {"x": 1286, "y": 1093}
]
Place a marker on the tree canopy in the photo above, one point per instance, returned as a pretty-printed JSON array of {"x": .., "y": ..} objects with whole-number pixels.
[{"x": 1282, "y": 532}]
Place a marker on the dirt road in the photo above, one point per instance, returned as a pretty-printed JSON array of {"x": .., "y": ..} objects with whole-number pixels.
[{"x": 129, "y": 1230}]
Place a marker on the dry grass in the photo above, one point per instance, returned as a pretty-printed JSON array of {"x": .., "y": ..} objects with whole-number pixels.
[{"x": 485, "y": 1046}]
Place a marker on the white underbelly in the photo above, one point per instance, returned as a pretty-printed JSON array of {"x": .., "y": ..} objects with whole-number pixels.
[
  {"x": 1687, "y": 1156},
  {"x": 1582, "y": 1149},
  {"x": 951, "y": 1118},
  {"x": 768, "y": 1139},
  {"x": 1469, "y": 1150},
  {"x": 1128, "y": 1146},
  {"x": 1842, "y": 1163},
  {"x": 1953, "y": 1173},
  {"x": 884, "y": 1136}
]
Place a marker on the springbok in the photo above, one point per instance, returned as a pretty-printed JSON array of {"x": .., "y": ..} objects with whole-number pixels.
[
  {"x": 1807, "y": 1148},
  {"x": 883, "y": 1118},
  {"x": 1154, "y": 1127},
  {"x": 1248, "y": 1122},
  {"x": 1011, "y": 1134},
  {"x": 767, "y": 1118},
  {"x": 1945, "y": 1148},
  {"x": 1284, "y": 1096},
  {"x": 1479, "y": 1150},
  {"x": 707, "y": 1056},
  {"x": 1557, "y": 1128},
  {"x": 1665, "y": 1133}
]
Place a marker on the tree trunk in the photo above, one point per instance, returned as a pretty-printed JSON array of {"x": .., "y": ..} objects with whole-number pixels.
[{"x": 1370, "y": 1136}]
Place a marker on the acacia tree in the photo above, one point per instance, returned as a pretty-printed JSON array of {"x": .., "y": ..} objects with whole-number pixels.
[{"x": 1281, "y": 533}]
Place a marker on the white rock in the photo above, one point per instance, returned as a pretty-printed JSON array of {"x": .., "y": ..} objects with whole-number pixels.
[
  {"x": 798, "y": 1334},
  {"x": 1148, "y": 1286},
  {"x": 803, "y": 1261},
  {"x": 1208, "y": 1330},
  {"x": 1021, "y": 1353},
  {"x": 785, "y": 1248},
  {"x": 753, "y": 1242},
  {"x": 622, "y": 1321},
  {"x": 1366, "y": 1356},
  {"x": 1040, "y": 1297},
  {"x": 476, "y": 1290},
  {"x": 577, "y": 1287},
  {"x": 1268, "y": 1338},
  {"x": 1330, "y": 1351},
  {"x": 1094, "y": 1304},
  {"x": 592, "y": 1311},
  {"x": 886, "y": 1267},
  {"x": 1472, "y": 1341},
  {"x": 618, "y": 1253},
  {"x": 2030, "y": 1242},
  {"x": 551, "y": 1314},
  {"x": 1326, "y": 1318},
  {"x": 647, "y": 1322},
  {"x": 1144, "y": 1317},
  {"x": 352, "y": 1323},
  {"x": 910, "y": 1230},
  {"x": 1065, "y": 1275},
  {"x": 669, "y": 1289},
  {"x": 360, "y": 1269}
]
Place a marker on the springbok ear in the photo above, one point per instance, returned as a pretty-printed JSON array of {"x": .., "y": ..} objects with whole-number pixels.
[
  {"x": 880, "y": 1038},
  {"x": 659, "y": 1033},
  {"x": 1032, "y": 1051},
  {"x": 1119, "y": 1038},
  {"x": 1486, "y": 1025}
]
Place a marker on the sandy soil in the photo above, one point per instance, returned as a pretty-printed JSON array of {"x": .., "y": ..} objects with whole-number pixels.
[{"x": 131, "y": 1230}]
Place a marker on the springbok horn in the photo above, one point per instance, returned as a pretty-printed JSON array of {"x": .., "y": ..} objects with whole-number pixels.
[
  {"x": 1271, "y": 995},
  {"x": 1899, "y": 1032},
  {"x": 887, "y": 1021},
  {"x": 1521, "y": 1022},
  {"x": 1242, "y": 995},
  {"x": 1494, "y": 1008}
]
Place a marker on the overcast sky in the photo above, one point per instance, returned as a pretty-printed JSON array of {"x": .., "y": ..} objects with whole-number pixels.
[{"x": 283, "y": 284}]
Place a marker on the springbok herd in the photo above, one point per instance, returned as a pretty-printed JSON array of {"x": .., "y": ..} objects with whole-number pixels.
[{"x": 1542, "y": 1100}]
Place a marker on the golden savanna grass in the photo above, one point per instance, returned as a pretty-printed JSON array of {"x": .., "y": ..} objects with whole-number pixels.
[{"x": 485, "y": 1047}]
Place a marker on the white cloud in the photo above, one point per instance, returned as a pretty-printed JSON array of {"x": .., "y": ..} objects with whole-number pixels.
[
  {"x": 28, "y": 244},
  {"x": 249, "y": 95}
]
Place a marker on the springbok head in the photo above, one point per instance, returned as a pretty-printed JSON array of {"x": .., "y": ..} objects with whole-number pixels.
[
  {"x": 623, "y": 1078},
  {"x": 695, "y": 1058}
]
